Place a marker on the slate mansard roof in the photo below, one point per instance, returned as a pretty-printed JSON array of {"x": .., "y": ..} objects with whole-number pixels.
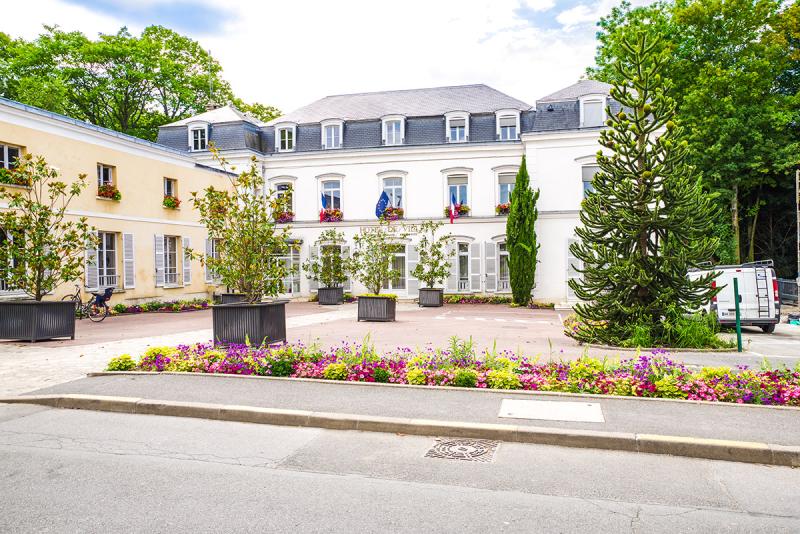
[{"x": 424, "y": 111}]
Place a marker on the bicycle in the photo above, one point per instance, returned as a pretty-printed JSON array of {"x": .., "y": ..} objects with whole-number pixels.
[{"x": 96, "y": 308}]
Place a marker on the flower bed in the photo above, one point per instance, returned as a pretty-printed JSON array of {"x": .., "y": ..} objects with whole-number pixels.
[
  {"x": 159, "y": 306},
  {"x": 393, "y": 214},
  {"x": 650, "y": 375},
  {"x": 492, "y": 299},
  {"x": 171, "y": 202},
  {"x": 331, "y": 215},
  {"x": 109, "y": 191}
]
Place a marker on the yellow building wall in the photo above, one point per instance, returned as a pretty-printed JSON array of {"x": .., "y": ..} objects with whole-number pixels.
[{"x": 139, "y": 176}]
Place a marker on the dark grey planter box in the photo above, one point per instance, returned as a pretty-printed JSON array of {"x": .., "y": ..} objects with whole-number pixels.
[
  {"x": 239, "y": 323},
  {"x": 376, "y": 309},
  {"x": 34, "y": 321},
  {"x": 431, "y": 297},
  {"x": 231, "y": 298},
  {"x": 330, "y": 295}
]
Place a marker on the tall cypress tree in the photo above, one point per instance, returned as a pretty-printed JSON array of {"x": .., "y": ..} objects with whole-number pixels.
[
  {"x": 648, "y": 220},
  {"x": 521, "y": 237}
]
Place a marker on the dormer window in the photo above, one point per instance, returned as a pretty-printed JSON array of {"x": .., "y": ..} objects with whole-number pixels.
[
  {"x": 507, "y": 124},
  {"x": 394, "y": 130},
  {"x": 332, "y": 134},
  {"x": 198, "y": 137},
  {"x": 457, "y": 127},
  {"x": 593, "y": 112},
  {"x": 285, "y": 137}
]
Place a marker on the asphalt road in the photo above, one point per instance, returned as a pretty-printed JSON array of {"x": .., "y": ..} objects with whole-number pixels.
[{"x": 78, "y": 471}]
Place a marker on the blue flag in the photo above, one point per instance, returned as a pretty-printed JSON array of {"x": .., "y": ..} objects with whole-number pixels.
[
  {"x": 383, "y": 203},
  {"x": 324, "y": 202}
]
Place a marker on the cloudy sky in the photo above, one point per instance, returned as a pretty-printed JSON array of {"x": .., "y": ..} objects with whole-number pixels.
[{"x": 288, "y": 53}]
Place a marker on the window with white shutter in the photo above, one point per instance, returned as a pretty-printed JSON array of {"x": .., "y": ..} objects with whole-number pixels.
[
  {"x": 187, "y": 261},
  {"x": 490, "y": 261},
  {"x": 158, "y": 253},
  {"x": 475, "y": 267},
  {"x": 91, "y": 271},
  {"x": 128, "y": 262},
  {"x": 413, "y": 260}
]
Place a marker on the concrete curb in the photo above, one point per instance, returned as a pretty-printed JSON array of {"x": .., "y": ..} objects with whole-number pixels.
[
  {"x": 482, "y": 391},
  {"x": 711, "y": 449}
]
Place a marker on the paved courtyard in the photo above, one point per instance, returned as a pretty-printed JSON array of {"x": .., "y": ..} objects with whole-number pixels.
[{"x": 25, "y": 366}]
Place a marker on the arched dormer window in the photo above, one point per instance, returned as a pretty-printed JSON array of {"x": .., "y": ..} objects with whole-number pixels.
[
  {"x": 507, "y": 124},
  {"x": 593, "y": 110},
  {"x": 457, "y": 126},
  {"x": 198, "y": 136},
  {"x": 393, "y": 130},
  {"x": 332, "y": 133},
  {"x": 285, "y": 136}
]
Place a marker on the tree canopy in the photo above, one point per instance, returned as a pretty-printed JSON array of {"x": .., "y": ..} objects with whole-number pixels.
[
  {"x": 129, "y": 83},
  {"x": 735, "y": 77}
]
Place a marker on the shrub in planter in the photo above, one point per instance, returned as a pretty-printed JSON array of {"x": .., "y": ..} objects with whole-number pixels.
[
  {"x": 434, "y": 266},
  {"x": 371, "y": 264},
  {"x": 328, "y": 268},
  {"x": 249, "y": 244},
  {"x": 41, "y": 249},
  {"x": 171, "y": 202},
  {"x": 109, "y": 191}
]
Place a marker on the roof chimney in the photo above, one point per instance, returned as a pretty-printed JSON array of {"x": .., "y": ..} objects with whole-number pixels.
[{"x": 211, "y": 106}]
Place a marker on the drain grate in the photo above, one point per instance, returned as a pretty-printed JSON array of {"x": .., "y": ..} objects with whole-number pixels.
[{"x": 471, "y": 450}]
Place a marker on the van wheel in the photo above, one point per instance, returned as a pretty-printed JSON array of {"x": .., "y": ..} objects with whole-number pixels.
[{"x": 768, "y": 328}]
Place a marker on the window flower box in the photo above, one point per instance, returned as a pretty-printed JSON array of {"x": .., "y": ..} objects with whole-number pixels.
[
  {"x": 330, "y": 215},
  {"x": 12, "y": 177},
  {"x": 392, "y": 214},
  {"x": 502, "y": 209},
  {"x": 171, "y": 202},
  {"x": 461, "y": 210},
  {"x": 284, "y": 217},
  {"x": 109, "y": 191}
]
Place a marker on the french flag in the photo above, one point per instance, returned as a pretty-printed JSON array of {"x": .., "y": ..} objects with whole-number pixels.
[
  {"x": 453, "y": 208},
  {"x": 324, "y": 207}
]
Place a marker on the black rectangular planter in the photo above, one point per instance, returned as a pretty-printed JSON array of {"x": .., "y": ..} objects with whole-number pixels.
[
  {"x": 330, "y": 295},
  {"x": 34, "y": 321},
  {"x": 431, "y": 297},
  {"x": 376, "y": 309},
  {"x": 231, "y": 298},
  {"x": 239, "y": 323}
]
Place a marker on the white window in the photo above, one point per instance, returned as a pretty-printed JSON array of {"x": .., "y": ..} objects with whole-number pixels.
[
  {"x": 285, "y": 137},
  {"x": 291, "y": 261},
  {"x": 8, "y": 156},
  {"x": 593, "y": 111},
  {"x": 198, "y": 138},
  {"x": 332, "y": 193},
  {"x": 105, "y": 174},
  {"x": 458, "y": 186},
  {"x": 332, "y": 134},
  {"x": 504, "y": 278},
  {"x": 463, "y": 266},
  {"x": 394, "y": 130},
  {"x": 457, "y": 125},
  {"x": 505, "y": 187},
  {"x": 507, "y": 124},
  {"x": 588, "y": 172},
  {"x": 393, "y": 187},
  {"x": 170, "y": 260},
  {"x": 398, "y": 263},
  {"x": 107, "y": 259},
  {"x": 170, "y": 187}
]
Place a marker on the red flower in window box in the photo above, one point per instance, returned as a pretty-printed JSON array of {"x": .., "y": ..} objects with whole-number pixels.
[
  {"x": 392, "y": 214},
  {"x": 330, "y": 215},
  {"x": 502, "y": 209},
  {"x": 284, "y": 217},
  {"x": 461, "y": 209},
  {"x": 109, "y": 191},
  {"x": 171, "y": 202}
]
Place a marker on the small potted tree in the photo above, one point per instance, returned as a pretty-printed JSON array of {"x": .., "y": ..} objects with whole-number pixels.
[
  {"x": 249, "y": 243},
  {"x": 433, "y": 267},
  {"x": 371, "y": 264},
  {"x": 328, "y": 267},
  {"x": 40, "y": 248}
]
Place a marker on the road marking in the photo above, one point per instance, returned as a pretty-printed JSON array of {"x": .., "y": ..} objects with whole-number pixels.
[
  {"x": 460, "y": 318},
  {"x": 580, "y": 412},
  {"x": 523, "y": 321},
  {"x": 500, "y": 320},
  {"x": 480, "y": 318}
]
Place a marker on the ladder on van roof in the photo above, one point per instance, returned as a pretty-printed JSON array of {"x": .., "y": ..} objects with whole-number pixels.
[{"x": 762, "y": 291}]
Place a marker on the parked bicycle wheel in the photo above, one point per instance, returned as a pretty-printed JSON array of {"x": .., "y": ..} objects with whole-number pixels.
[
  {"x": 76, "y": 302},
  {"x": 97, "y": 313}
]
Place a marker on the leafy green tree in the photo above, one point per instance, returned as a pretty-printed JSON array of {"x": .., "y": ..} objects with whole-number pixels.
[
  {"x": 329, "y": 268},
  {"x": 523, "y": 247},
  {"x": 41, "y": 247},
  {"x": 248, "y": 240},
  {"x": 648, "y": 220},
  {"x": 371, "y": 261},
  {"x": 734, "y": 74},
  {"x": 433, "y": 266},
  {"x": 129, "y": 83}
]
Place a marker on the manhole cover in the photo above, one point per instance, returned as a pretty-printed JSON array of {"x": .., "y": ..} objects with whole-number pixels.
[{"x": 471, "y": 450}]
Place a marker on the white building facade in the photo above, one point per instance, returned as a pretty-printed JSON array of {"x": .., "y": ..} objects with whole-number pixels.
[{"x": 423, "y": 147}]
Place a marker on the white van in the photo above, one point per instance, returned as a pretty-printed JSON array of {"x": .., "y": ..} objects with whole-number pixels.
[{"x": 759, "y": 301}]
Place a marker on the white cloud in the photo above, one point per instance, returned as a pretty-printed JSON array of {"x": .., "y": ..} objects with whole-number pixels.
[{"x": 288, "y": 54}]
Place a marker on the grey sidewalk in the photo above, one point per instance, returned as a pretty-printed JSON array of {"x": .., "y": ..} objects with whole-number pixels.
[{"x": 622, "y": 414}]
